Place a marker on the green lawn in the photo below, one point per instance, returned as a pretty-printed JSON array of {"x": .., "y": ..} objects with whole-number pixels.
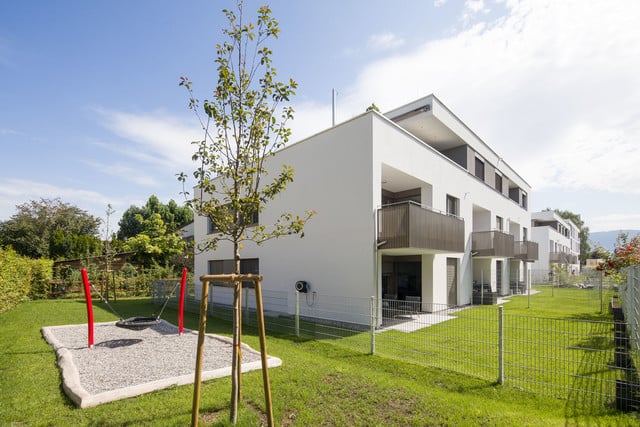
[{"x": 318, "y": 384}]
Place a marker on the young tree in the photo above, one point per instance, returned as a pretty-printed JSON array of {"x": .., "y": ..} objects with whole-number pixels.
[{"x": 244, "y": 124}]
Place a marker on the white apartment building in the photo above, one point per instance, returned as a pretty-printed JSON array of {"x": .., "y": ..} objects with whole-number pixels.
[
  {"x": 411, "y": 205},
  {"x": 558, "y": 242}
]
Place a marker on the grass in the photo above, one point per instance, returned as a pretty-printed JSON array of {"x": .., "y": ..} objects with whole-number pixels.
[{"x": 318, "y": 384}]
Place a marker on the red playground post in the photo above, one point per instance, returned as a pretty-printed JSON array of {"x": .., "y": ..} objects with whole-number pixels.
[
  {"x": 87, "y": 294},
  {"x": 181, "y": 302}
]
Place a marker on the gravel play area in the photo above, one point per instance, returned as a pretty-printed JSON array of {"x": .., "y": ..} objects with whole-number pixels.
[{"x": 126, "y": 363}]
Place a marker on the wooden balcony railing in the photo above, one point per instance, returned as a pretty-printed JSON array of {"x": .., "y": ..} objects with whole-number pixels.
[
  {"x": 409, "y": 225},
  {"x": 562, "y": 258},
  {"x": 526, "y": 251},
  {"x": 492, "y": 244}
]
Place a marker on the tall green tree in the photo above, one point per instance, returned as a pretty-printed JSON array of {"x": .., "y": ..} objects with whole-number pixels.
[
  {"x": 154, "y": 244},
  {"x": 172, "y": 215},
  {"x": 244, "y": 124},
  {"x": 50, "y": 228}
]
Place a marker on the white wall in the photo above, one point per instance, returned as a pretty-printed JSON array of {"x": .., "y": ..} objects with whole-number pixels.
[
  {"x": 395, "y": 148},
  {"x": 333, "y": 177},
  {"x": 338, "y": 173}
]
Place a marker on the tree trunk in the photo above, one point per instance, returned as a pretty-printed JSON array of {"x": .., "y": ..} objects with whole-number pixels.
[{"x": 235, "y": 362}]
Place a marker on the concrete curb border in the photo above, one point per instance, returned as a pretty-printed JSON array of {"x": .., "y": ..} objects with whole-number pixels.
[{"x": 72, "y": 385}]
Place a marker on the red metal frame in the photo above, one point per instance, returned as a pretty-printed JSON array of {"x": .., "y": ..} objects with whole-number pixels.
[{"x": 87, "y": 294}]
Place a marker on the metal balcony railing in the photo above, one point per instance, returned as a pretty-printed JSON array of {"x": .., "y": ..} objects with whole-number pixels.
[
  {"x": 410, "y": 225},
  {"x": 492, "y": 244}
]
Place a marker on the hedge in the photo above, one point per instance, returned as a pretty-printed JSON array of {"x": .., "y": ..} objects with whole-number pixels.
[{"x": 22, "y": 278}]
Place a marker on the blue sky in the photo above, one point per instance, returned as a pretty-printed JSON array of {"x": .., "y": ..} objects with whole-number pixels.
[{"x": 91, "y": 111}]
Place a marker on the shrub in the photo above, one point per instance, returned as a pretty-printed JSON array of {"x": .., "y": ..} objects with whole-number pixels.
[
  {"x": 21, "y": 278},
  {"x": 41, "y": 275}
]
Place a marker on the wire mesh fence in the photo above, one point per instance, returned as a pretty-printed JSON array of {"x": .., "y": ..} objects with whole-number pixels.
[{"x": 588, "y": 363}]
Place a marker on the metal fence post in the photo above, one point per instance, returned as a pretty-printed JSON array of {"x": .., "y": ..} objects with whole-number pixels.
[
  {"x": 372, "y": 309},
  {"x": 297, "y": 317},
  {"x": 501, "y": 345},
  {"x": 601, "y": 303}
]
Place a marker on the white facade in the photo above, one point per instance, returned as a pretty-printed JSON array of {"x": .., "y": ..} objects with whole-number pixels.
[
  {"x": 422, "y": 161},
  {"x": 558, "y": 242}
]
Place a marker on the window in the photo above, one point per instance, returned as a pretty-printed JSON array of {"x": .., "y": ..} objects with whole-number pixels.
[
  {"x": 525, "y": 237},
  {"x": 253, "y": 219},
  {"x": 479, "y": 169},
  {"x": 498, "y": 183},
  {"x": 227, "y": 266},
  {"x": 453, "y": 206},
  {"x": 524, "y": 200},
  {"x": 499, "y": 223}
]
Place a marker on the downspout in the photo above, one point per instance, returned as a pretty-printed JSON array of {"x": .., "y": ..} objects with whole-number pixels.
[{"x": 376, "y": 267}]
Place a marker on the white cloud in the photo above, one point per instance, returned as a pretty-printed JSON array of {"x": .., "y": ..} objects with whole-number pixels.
[
  {"x": 474, "y": 5},
  {"x": 438, "y": 3},
  {"x": 135, "y": 175},
  {"x": 473, "y": 8},
  {"x": 310, "y": 118},
  {"x": 614, "y": 222},
  {"x": 23, "y": 190},
  {"x": 384, "y": 41},
  {"x": 552, "y": 86},
  {"x": 157, "y": 138}
]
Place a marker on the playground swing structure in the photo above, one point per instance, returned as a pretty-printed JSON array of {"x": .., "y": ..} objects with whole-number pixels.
[{"x": 136, "y": 323}]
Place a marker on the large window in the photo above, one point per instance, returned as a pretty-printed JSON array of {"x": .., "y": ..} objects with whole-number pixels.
[
  {"x": 227, "y": 266},
  {"x": 453, "y": 206},
  {"x": 479, "y": 169},
  {"x": 498, "y": 183}
]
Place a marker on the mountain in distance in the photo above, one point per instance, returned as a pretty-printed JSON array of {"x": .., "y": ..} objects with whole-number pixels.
[{"x": 607, "y": 239}]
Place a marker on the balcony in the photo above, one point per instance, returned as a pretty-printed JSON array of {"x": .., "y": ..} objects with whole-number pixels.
[
  {"x": 494, "y": 244},
  {"x": 526, "y": 251},
  {"x": 409, "y": 225},
  {"x": 562, "y": 258}
]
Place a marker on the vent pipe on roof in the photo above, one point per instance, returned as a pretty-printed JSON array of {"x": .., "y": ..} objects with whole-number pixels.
[{"x": 333, "y": 107}]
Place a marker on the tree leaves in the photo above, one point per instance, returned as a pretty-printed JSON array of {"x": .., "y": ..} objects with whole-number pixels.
[
  {"x": 38, "y": 223},
  {"x": 244, "y": 124}
]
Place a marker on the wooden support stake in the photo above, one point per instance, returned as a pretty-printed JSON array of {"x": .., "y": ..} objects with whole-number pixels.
[
  {"x": 263, "y": 354},
  {"x": 235, "y": 359},
  {"x": 234, "y": 280},
  {"x": 195, "y": 410}
]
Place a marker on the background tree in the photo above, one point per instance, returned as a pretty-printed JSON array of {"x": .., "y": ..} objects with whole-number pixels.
[
  {"x": 599, "y": 253},
  {"x": 585, "y": 248},
  {"x": 373, "y": 107},
  {"x": 244, "y": 124},
  {"x": 173, "y": 216},
  {"x": 625, "y": 254},
  {"x": 154, "y": 244},
  {"x": 49, "y": 228}
]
